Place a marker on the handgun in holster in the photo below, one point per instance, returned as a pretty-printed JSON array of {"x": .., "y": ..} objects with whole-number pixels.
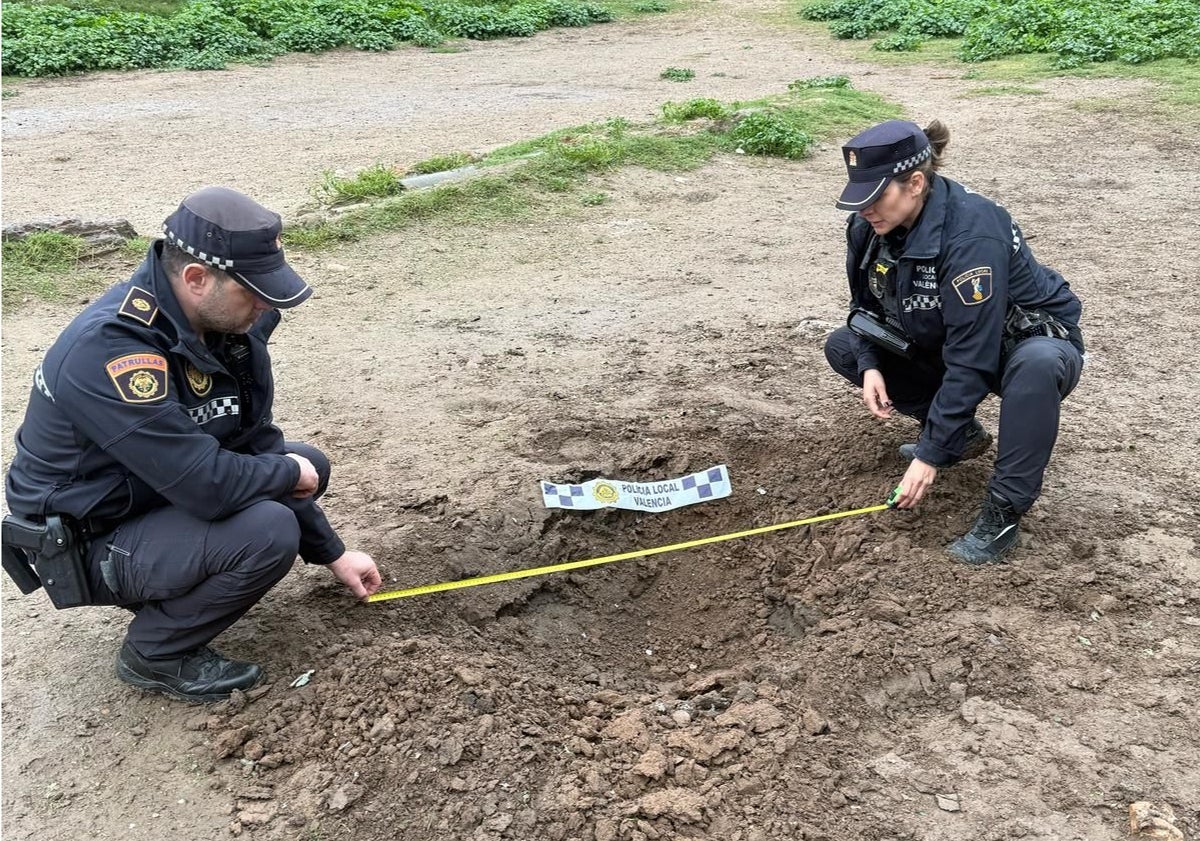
[
  {"x": 49, "y": 555},
  {"x": 875, "y": 330}
]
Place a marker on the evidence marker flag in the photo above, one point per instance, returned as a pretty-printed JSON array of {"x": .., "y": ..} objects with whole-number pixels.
[{"x": 663, "y": 495}]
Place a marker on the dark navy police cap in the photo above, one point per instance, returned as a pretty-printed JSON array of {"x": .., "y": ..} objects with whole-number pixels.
[
  {"x": 878, "y": 155},
  {"x": 234, "y": 233}
]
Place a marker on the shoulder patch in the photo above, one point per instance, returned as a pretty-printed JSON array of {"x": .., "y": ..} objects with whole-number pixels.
[
  {"x": 974, "y": 287},
  {"x": 139, "y": 305},
  {"x": 139, "y": 377}
]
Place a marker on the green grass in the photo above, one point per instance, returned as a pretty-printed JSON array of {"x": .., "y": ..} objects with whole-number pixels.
[
  {"x": 47, "y": 266},
  {"x": 1004, "y": 90},
  {"x": 440, "y": 163},
  {"x": 681, "y": 112},
  {"x": 678, "y": 74},
  {"x": 639, "y": 8},
  {"x": 373, "y": 182},
  {"x": 480, "y": 201}
]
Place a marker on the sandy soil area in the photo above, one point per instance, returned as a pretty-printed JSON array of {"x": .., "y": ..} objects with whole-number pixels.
[{"x": 839, "y": 682}]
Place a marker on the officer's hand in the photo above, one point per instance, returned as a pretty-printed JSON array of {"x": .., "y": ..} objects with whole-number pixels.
[
  {"x": 307, "y": 484},
  {"x": 916, "y": 481},
  {"x": 358, "y": 572},
  {"x": 875, "y": 394}
]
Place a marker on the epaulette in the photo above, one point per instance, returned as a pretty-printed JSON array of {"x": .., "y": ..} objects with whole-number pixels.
[{"x": 139, "y": 305}]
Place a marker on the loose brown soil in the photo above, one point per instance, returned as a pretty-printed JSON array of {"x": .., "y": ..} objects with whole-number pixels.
[{"x": 842, "y": 681}]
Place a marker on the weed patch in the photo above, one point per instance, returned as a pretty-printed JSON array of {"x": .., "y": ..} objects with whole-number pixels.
[
  {"x": 43, "y": 39},
  {"x": 1074, "y": 32},
  {"x": 1004, "y": 90},
  {"x": 771, "y": 133},
  {"x": 47, "y": 266},
  {"x": 678, "y": 74},
  {"x": 373, "y": 182},
  {"x": 440, "y": 163},
  {"x": 693, "y": 109}
]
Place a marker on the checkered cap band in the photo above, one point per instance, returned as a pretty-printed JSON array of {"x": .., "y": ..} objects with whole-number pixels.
[
  {"x": 210, "y": 259},
  {"x": 913, "y": 162}
]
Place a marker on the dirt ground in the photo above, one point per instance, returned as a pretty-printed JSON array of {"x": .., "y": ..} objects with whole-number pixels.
[{"x": 840, "y": 682}]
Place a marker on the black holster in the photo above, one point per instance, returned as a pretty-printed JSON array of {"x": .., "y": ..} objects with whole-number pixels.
[
  {"x": 49, "y": 555},
  {"x": 1021, "y": 324},
  {"x": 878, "y": 332}
]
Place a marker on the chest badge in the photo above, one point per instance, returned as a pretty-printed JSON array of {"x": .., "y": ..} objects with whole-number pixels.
[
  {"x": 877, "y": 280},
  {"x": 199, "y": 382}
]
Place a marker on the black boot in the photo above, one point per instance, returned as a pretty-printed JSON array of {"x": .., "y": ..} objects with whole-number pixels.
[
  {"x": 201, "y": 675},
  {"x": 978, "y": 441},
  {"x": 992, "y": 537}
]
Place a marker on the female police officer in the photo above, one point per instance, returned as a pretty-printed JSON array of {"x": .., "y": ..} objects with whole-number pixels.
[{"x": 949, "y": 304}]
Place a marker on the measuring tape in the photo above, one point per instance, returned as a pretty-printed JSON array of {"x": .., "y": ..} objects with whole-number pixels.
[{"x": 624, "y": 556}]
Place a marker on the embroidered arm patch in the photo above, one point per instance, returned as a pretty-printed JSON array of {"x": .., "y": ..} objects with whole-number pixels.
[
  {"x": 974, "y": 287},
  {"x": 139, "y": 377}
]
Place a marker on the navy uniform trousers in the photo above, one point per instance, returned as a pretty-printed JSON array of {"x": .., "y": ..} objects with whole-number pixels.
[
  {"x": 1037, "y": 376},
  {"x": 189, "y": 579}
]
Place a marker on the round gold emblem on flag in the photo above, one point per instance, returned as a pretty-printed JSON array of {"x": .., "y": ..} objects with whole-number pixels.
[{"x": 604, "y": 492}]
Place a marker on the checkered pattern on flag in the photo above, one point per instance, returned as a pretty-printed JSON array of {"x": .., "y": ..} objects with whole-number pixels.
[{"x": 663, "y": 495}]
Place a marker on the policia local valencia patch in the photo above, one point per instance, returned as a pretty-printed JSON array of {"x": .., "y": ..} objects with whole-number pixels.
[
  {"x": 974, "y": 287},
  {"x": 139, "y": 377}
]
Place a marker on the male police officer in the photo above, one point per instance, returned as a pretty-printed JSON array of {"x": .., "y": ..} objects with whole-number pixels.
[
  {"x": 949, "y": 305},
  {"x": 149, "y": 432}
]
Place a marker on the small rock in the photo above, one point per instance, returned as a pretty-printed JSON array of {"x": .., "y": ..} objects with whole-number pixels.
[
  {"x": 256, "y": 817},
  {"x": 228, "y": 743},
  {"x": 450, "y": 751},
  {"x": 653, "y": 765},
  {"x": 469, "y": 676},
  {"x": 757, "y": 717},
  {"x": 814, "y": 723},
  {"x": 1153, "y": 820},
  {"x": 948, "y": 802},
  {"x": 608, "y": 697},
  {"x": 679, "y": 804},
  {"x": 383, "y": 728},
  {"x": 606, "y": 829},
  {"x": 682, "y": 718},
  {"x": 253, "y": 750},
  {"x": 343, "y": 796}
]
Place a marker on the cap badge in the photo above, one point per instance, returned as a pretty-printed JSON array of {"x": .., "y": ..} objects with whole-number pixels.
[{"x": 852, "y": 158}]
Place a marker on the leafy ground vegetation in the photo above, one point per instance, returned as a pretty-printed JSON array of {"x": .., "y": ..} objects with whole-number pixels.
[
  {"x": 50, "y": 39},
  {"x": 1074, "y": 32}
]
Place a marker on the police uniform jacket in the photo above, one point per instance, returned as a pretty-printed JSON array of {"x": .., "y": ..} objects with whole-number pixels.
[
  {"x": 961, "y": 267},
  {"x": 131, "y": 411}
]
